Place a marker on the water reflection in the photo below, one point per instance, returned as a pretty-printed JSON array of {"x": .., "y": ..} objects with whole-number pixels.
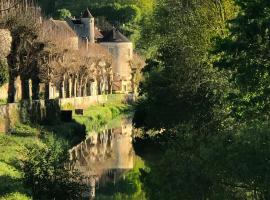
[{"x": 104, "y": 157}]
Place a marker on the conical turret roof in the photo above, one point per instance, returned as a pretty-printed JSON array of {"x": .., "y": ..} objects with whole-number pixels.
[{"x": 87, "y": 14}]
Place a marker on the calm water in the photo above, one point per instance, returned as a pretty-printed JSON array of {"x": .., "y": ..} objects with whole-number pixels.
[{"x": 105, "y": 158}]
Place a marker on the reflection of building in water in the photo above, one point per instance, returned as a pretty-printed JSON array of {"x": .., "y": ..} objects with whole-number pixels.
[{"x": 104, "y": 156}]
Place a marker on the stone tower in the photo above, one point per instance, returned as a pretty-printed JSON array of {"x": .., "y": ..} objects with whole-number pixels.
[
  {"x": 89, "y": 24},
  {"x": 122, "y": 50}
]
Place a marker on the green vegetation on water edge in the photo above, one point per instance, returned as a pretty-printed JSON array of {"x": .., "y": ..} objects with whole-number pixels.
[
  {"x": 96, "y": 117},
  {"x": 128, "y": 187},
  {"x": 14, "y": 145},
  {"x": 11, "y": 184}
]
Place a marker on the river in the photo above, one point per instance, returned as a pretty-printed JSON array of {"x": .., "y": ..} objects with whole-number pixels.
[{"x": 106, "y": 159}]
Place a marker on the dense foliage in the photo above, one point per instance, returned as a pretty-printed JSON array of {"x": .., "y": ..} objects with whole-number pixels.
[
  {"x": 245, "y": 54},
  {"x": 232, "y": 165},
  {"x": 203, "y": 75},
  {"x": 46, "y": 173},
  {"x": 181, "y": 85}
]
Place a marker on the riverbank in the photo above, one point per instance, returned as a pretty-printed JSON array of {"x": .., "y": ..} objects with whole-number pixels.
[
  {"x": 96, "y": 117},
  {"x": 12, "y": 145}
]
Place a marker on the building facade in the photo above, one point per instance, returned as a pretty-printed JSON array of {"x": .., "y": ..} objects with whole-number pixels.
[
  {"x": 115, "y": 42},
  {"x": 119, "y": 46}
]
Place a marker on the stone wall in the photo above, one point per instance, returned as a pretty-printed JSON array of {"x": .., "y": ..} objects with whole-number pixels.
[
  {"x": 82, "y": 102},
  {"x": 48, "y": 111},
  {"x": 28, "y": 111},
  {"x": 4, "y": 91},
  {"x": 18, "y": 93}
]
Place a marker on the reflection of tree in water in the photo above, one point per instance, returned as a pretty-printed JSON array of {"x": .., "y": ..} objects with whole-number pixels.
[{"x": 104, "y": 157}]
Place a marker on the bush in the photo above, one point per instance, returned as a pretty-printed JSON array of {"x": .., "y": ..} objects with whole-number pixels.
[
  {"x": 15, "y": 196},
  {"x": 72, "y": 132},
  {"x": 46, "y": 173},
  {"x": 24, "y": 130}
]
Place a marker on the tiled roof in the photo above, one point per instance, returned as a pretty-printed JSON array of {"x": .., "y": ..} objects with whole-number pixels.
[{"x": 114, "y": 36}]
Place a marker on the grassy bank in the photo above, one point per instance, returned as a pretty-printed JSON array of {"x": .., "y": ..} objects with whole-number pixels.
[
  {"x": 12, "y": 146},
  {"x": 97, "y": 116}
]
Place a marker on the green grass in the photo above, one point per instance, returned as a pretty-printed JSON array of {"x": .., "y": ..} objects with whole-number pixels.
[
  {"x": 3, "y": 102},
  {"x": 11, "y": 150},
  {"x": 97, "y": 116},
  {"x": 12, "y": 146},
  {"x": 24, "y": 130}
]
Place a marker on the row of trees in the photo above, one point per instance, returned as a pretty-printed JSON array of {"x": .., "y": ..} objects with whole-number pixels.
[
  {"x": 43, "y": 55},
  {"x": 204, "y": 102}
]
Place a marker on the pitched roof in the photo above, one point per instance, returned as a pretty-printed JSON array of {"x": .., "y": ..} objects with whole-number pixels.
[
  {"x": 87, "y": 14},
  {"x": 114, "y": 36},
  {"x": 63, "y": 26}
]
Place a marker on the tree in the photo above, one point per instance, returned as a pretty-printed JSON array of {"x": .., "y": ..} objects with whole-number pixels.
[
  {"x": 182, "y": 105},
  {"x": 63, "y": 14},
  {"x": 245, "y": 54},
  {"x": 181, "y": 86}
]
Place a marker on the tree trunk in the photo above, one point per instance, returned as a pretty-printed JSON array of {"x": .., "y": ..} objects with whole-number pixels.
[
  {"x": 67, "y": 88},
  {"x": 47, "y": 91},
  {"x": 99, "y": 87},
  {"x": 73, "y": 87},
  {"x": 11, "y": 90},
  {"x": 61, "y": 90},
  {"x": 79, "y": 89},
  {"x": 25, "y": 89},
  {"x": 35, "y": 89}
]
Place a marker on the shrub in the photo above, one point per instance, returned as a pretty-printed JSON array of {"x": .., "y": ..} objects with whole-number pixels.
[
  {"x": 15, "y": 196},
  {"x": 24, "y": 130},
  {"x": 46, "y": 173}
]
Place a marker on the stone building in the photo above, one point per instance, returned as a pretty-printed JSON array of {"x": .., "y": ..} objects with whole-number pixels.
[
  {"x": 115, "y": 42},
  {"x": 122, "y": 50},
  {"x": 111, "y": 51}
]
